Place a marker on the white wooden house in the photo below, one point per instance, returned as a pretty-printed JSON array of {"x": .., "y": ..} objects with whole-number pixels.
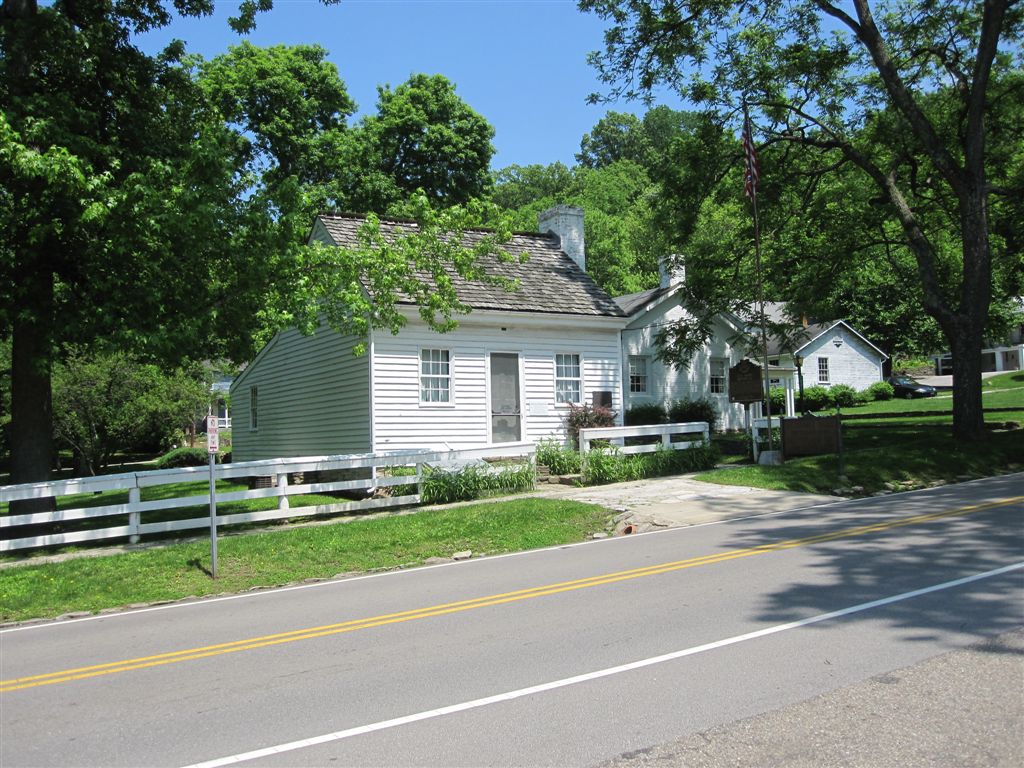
[
  {"x": 827, "y": 354},
  {"x": 511, "y": 368},
  {"x": 649, "y": 381},
  {"x": 507, "y": 373}
]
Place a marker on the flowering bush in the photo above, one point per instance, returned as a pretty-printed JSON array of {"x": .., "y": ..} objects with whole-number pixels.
[{"x": 586, "y": 417}]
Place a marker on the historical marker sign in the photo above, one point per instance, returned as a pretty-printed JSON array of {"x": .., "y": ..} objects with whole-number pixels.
[{"x": 746, "y": 384}]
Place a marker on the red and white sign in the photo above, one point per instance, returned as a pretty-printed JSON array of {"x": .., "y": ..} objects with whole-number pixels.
[{"x": 212, "y": 434}]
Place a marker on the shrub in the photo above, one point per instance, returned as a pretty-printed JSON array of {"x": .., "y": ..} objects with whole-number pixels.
[
  {"x": 647, "y": 413},
  {"x": 778, "y": 398},
  {"x": 880, "y": 390},
  {"x": 183, "y": 457},
  {"x": 607, "y": 464},
  {"x": 842, "y": 396},
  {"x": 700, "y": 409},
  {"x": 585, "y": 417},
  {"x": 560, "y": 459},
  {"x": 815, "y": 399},
  {"x": 443, "y": 486}
]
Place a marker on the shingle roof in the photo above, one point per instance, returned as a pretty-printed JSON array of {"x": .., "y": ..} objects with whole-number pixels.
[
  {"x": 549, "y": 280},
  {"x": 801, "y": 337},
  {"x": 632, "y": 302}
]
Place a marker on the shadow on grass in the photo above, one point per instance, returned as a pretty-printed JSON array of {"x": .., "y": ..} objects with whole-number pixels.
[{"x": 196, "y": 563}]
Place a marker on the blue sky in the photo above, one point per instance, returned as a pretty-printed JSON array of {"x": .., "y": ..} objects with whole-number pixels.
[{"x": 519, "y": 63}]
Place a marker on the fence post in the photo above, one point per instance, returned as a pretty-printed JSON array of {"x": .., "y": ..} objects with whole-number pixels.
[
  {"x": 134, "y": 516},
  {"x": 282, "y": 490}
]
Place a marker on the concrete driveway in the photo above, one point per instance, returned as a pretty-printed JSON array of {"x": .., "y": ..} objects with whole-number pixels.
[{"x": 669, "y": 502}]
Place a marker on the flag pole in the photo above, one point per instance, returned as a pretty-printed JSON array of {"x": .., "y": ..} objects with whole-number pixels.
[{"x": 750, "y": 188}]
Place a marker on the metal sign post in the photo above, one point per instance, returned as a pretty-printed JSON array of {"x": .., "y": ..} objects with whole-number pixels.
[{"x": 212, "y": 447}]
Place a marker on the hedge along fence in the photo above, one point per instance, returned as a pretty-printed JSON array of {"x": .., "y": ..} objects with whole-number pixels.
[
  {"x": 683, "y": 447},
  {"x": 359, "y": 473}
]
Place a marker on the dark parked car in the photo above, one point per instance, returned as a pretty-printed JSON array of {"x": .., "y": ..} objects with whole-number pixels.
[{"x": 904, "y": 386}]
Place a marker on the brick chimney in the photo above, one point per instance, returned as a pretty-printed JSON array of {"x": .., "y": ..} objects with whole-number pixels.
[{"x": 566, "y": 223}]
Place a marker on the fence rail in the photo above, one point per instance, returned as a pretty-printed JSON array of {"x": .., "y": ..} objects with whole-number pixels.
[
  {"x": 129, "y": 516},
  {"x": 618, "y": 435}
]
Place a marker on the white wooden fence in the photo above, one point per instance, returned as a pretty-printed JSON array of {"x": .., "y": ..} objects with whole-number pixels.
[
  {"x": 127, "y": 517},
  {"x": 617, "y": 436},
  {"x": 759, "y": 436}
]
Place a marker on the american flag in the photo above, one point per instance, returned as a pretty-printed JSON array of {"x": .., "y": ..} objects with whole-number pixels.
[{"x": 751, "y": 173}]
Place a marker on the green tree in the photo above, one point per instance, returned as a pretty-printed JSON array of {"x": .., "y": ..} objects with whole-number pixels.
[
  {"x": 622, "y": 244},
  {"x": 423, "y": 137},
  {"x": 132, "y": 212},
  {"x": 519, "y": 186},
  {"x": 616, "y": 136},
  {"x": 108, "y": 208},
  {"x": 289, "y": 108},
  {"x": 110, "y": 402},
  {"x": 815, "y": 76}
]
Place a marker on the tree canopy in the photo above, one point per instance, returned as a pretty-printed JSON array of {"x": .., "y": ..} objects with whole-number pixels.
[
  {"x": 423, "y": 137},
  {"x": 823, "y": 78},
  {"x": 160, "y": 205}
]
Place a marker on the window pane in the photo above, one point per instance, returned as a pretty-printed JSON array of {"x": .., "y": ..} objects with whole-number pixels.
[
  {"x": 567, "y": 378},
  {"x": 637, "y": 374},
  {"x": 716, "y": 376},
  {"x": 435, "y": 376}
]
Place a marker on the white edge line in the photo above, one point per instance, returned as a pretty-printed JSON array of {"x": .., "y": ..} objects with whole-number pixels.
[
  {"x": 128, "y": 612},
  {"x": 588, "y": 676}
]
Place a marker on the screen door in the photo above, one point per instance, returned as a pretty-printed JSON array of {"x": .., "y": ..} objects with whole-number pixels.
[{"x": 506, "y": 414}]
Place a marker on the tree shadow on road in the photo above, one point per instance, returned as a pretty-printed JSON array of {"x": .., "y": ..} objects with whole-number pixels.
[{"x": 863, "y": 566}]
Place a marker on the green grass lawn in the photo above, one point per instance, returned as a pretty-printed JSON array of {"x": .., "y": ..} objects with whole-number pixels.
[
  {"x": 883, "y": 456},
  {"x": 1003, "y": 391},
  {"x": 278, "y": 557}
]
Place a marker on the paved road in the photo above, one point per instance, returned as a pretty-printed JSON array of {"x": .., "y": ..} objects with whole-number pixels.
[
  {"x": 963, "y": 708},
  {"x": 571, "y": 656}
]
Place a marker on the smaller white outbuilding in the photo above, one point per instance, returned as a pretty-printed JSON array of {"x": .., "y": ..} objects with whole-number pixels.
[{"x": 827, "y": 354}]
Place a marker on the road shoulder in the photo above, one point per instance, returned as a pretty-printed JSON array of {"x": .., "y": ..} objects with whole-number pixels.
[{"x": 963, "y": 708}]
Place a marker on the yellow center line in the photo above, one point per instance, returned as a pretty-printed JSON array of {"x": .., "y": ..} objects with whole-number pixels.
[{"x": 309, "y": 633}]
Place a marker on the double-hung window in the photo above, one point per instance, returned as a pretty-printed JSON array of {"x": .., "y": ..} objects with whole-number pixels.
[
  {"x": 717, "y": 380},
  {"x": 637, "y": 374},
  {"x": 823, "y": 370},
  {"x": 568, "y": 382},
  {"x": 435, "y": 376}
]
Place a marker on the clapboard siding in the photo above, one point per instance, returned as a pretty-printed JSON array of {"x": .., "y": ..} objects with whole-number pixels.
[
  {"x": 666, "y": 383},
  {"x": 401, "y": 421},
  {"x": 313, "y": 398},
  {"x": 852, "y": 362}
]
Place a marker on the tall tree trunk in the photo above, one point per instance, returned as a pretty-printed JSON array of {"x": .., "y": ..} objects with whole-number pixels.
[
  {"x": 968, "y": 416},
  {"x": 31, "y": 394},
  {"x": 968, "y": 331}
]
